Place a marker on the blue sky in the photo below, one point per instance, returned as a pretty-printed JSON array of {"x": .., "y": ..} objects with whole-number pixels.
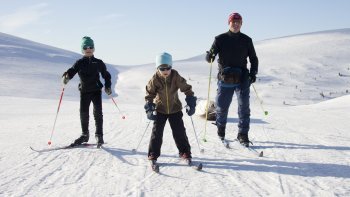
[{"x": 132, "y": 32}]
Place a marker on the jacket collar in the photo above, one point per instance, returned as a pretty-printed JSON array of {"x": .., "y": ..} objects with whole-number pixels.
[
  {"x": 86, "y": 58},
  {"x": 162, "y": 78},
  {"x": 230, "y": 33}
]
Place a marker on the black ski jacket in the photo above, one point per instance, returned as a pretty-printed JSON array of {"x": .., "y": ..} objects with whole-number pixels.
[
  {"x": 89, "y": 69},
  {"x": 233, "y": 50}
]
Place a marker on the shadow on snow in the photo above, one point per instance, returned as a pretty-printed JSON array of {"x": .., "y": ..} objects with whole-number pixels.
[{"x": 305, "y": 169}]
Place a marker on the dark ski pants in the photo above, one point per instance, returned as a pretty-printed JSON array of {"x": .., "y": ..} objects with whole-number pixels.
[
  {"x": 85, "y": 100},
  {"x": 223, "y": 101},
  {"x": 179, "y": 134}
]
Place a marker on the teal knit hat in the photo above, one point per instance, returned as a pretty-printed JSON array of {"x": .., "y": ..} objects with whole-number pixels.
[
  {"x": 87, "y": 42},
  {"x": 164, "y": 58}
]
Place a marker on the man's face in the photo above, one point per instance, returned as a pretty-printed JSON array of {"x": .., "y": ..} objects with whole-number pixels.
[
  {"x": 88, "y": 51},
  {"x": 235, "y": 25}
]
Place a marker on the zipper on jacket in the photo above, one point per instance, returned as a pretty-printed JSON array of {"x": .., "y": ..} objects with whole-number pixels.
[
  {"x": 88, "y": 66},
  {"x": 167, "y": 98}
]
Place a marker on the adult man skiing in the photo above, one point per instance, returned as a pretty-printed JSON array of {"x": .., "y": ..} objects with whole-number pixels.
[
  {"x": 89, "y": 69},
  {"x": 233, "y": 48}
]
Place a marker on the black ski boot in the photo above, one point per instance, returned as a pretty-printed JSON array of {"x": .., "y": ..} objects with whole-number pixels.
[
  {"x": 99, "y": 140},
  {"x": 83, "y": 138},
  {"x": 221, "y": 132},
  {"x": 243, "y": 139}
]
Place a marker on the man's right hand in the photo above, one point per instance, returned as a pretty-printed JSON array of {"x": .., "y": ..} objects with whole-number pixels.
[
  {"x": 252, "y": 78},
  {"x": 210, "y": 57}
]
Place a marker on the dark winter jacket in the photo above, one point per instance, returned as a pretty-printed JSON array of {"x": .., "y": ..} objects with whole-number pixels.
[
  {"x": 233, "y": 50},
  {"x": 89, "y": 69},
  {"x": 163, "y": 92}
]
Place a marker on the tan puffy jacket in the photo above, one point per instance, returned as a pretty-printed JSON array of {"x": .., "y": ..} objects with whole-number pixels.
[{"x": 163, "y": 92}]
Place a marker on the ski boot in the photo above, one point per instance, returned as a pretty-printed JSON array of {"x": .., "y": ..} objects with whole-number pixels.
[
  {"x": 243, "y": 139},
  {"x": 221, "y": 132},
  {"x": 99, "y": 140},
  {"x": 82, "y": 139},
  {"x": 221, "y": 135}
]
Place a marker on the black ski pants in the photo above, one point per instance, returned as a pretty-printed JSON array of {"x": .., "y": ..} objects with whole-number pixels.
[
  {"x": 178, "y": 130},
  {"x": 85, "y": 100}
]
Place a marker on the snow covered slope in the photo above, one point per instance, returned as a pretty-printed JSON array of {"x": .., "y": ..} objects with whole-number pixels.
[
  {"x": 306, "y": 146},
  {"x": 305, "y": 68}
]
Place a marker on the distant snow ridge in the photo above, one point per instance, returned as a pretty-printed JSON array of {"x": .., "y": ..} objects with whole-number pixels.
[{"x": 293, "y": 70}]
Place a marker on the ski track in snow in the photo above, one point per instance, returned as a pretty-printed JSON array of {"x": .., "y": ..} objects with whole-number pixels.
[{"x": 293, "y": 164}]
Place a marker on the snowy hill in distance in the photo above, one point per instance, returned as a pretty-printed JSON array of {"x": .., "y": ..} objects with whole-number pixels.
[
  {"x": 303, "y": 81},
  {"x": 293, "y": 70},
  {"x": 305, "y": 68},
  {"x": 301, "y": 69},
  {"x": 33, "y": 70}
]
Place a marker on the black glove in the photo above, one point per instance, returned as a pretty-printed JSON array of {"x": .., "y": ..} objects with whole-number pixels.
[
  {"x": 108, "y": 91},
  {"x": 252, "y": 78},
  {"x": 191, "y": 103},
  {"x": 65, "y": 78},
  {"x": 150, "y": 108},
  {"x": 210, "y": 57},
  {"x": 152, "y": 115}
]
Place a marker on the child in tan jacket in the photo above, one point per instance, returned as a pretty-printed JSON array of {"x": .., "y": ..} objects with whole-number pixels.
[{"x": 162, "y": 98}]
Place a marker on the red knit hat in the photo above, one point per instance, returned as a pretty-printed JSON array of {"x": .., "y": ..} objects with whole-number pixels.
[{"x": 234, "y": 16}]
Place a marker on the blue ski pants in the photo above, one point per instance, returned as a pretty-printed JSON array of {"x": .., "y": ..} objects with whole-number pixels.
[{"x": 223, "y": 102}]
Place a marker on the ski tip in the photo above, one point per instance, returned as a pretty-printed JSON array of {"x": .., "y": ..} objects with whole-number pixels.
[
  {"x": 261, "y": 154},
  {"x": 202, "y": 151}
]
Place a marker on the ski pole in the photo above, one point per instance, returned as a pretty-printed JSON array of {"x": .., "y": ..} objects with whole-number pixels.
[
  {"x": 123, "y": 117},
  {"x": 135, "y": 149},
  {"x": 58, "y": 109},
  {"x": 206, "y": 108},
  {"x": 194, "y": 130},
  {"x": 260, "y": 101}
]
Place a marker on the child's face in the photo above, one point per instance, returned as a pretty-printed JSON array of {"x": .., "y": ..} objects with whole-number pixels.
[
  {"x": 164, "y": 70},
  {"x": 89, "y": 51}
]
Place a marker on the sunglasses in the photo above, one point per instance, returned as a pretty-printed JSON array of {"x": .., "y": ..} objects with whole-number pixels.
[
  {"x": 88, "y": 47},
  {"x": 164, "y": 68}
]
